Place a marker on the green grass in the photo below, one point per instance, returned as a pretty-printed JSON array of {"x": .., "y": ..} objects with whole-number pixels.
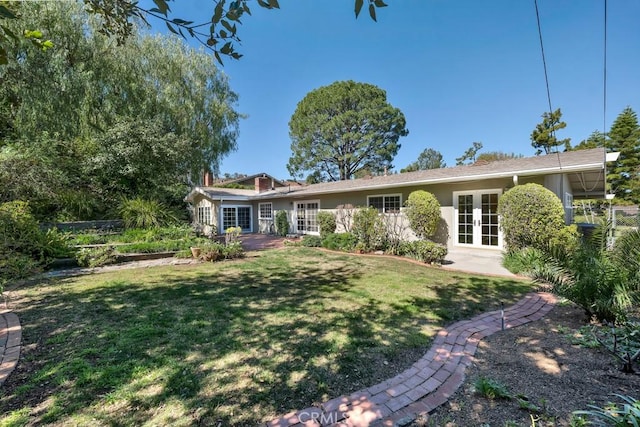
[{"x": 234, "y": 343}]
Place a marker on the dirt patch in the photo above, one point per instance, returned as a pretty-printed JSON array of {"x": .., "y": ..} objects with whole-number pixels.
[{"x": 537, "y": 363}]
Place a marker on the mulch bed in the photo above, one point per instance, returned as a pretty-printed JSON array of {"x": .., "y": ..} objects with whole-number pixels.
[{"x": 538, "y": 363}]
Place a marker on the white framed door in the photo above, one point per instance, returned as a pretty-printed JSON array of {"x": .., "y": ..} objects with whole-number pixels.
[
  {"x": 307, "y": 217},
  {"x": 236, "y": 216},
  {"x": 476, "y": 221}
]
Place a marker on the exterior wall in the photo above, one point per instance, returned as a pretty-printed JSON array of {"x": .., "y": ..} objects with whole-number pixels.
[
  {"x": 212, "y": 227},
  {"x": 561, "y": 187},
  {"x": 558, "y": 183},
  {"x": 443, "y": 192}
]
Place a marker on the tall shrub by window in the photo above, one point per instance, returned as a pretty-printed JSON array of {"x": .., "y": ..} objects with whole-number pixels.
[
  {"x": 423, "y": 213},
  {"x": 282, "y": 223},
  {"x": 531, "y": 216},
  {"x": 327, "y": 223}
]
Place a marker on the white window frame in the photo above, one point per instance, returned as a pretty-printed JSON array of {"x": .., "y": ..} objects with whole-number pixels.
[
  {"x": 296, "y": 211},
  {"x": 270, "y": 205},
  {"x": 384, "y": 196},
  {"x": 203, "y": 213},
  {"x": 223, "y": 207}
]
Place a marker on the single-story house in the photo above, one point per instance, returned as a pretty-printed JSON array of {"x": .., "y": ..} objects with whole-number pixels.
[{"x": 467, "y": 194}]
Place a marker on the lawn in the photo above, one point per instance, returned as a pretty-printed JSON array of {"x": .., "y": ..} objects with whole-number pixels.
[{"x": 231, "y": 343}]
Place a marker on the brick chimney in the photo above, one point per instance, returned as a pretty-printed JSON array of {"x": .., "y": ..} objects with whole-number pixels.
[
  {"x": 262, "y": 183},
  {"x": 207, "y": 179}
]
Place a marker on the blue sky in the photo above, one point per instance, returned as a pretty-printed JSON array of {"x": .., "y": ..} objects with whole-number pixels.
[{"x": 460, "y": 70}]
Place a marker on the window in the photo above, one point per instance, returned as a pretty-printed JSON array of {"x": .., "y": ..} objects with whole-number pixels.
[
  {"x": 204, "y": 215},
  {"x": 385, "y": 204},
  {"x": 307, "y": 217},
  {"x": 265, "y": 211},
  {"x": 236, "y": 216}
]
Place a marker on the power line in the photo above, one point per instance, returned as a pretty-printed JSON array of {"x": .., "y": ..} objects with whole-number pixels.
[
  {"x": 604, "y": 83},
  {"x": 544, "y": 61}
]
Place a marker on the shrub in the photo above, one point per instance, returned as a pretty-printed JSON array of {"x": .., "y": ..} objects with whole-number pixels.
[
  {"x": 606, "y": 284},
  {"x": 282, "y": 223},
  {"x": 423, "y": 250},
  {"x": 19, "y": 230},
  {"x": 423, "y": 213},
  {"x": 327, "y": 223},
  {"x": 23, "y": 246},
  {"x": 613, "y": 415},
  {"x": 96, "y": 257},
  {"x": 15, "y": 265},
  {"x": 340, "y": 242},
  {"x": 183, "y": 254},
  {"x": 491, "y": 389},
  {"x": 233, "y": 250},
  {"x": 312, "y": 241},
  {"x": 523, "y": 261},
  {"x": 55, "y": 244},
  {"x": 144, "y": 213},
  {"x": 531, "y": 216},
  {"x": 216, "y": 251},
  {"x": 369, "y": 229}
]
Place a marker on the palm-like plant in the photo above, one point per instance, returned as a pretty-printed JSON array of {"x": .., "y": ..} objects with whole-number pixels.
[{"x": 603, "y": 281}]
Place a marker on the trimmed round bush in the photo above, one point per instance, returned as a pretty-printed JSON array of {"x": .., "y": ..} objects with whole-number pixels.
[
  {"x": 327, "y": 223},
  {"x": 532, "y": 216},
  {"x": 423, "y": 213}
]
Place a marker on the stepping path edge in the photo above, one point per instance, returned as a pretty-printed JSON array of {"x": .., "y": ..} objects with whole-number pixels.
[
  {"x": 10, "y": 340},
  {"x": 429, "y": 382}
]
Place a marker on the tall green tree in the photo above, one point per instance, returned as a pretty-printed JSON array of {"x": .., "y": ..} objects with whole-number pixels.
[
  {"x": 342, "y": 128},
  {"x": 469, "y": 156},
  {"x": 624, "y": 175},
  {"x": 75, "y": 110},
  {"x": 118, "y": 19},
  {"x": 543, "y": 137},
  {"x": 595, "y": 140},
  {"x": 428, "y": 159}
]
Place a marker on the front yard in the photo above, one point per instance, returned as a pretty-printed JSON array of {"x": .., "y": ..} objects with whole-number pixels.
[{"x": 235, "y": 343}]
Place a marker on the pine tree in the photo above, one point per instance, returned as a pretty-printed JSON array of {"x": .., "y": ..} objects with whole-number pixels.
[
  {"x": 624, "y": 175},
  {"x": 543, "y": 137}
]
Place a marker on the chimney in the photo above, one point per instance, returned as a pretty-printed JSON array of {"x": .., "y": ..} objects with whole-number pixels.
[
  {"x": 207, "y": 178},
  {"x": 261, "y": 184}
]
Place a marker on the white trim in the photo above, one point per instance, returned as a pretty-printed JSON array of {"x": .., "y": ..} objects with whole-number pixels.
[
  {"x": 260, "y": 210},
  {"x": 295, "y": 216},
  {"x": 399, "y": 195},
  {"x": 221, "y": 217},
  {"x": 477, "y": 219}
]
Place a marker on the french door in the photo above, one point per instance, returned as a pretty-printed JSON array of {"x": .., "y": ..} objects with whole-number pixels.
[
  {"x": 307, "y": 217},
  {"x": 476, "y": 218},
  {"x": 236, "y": 216}
]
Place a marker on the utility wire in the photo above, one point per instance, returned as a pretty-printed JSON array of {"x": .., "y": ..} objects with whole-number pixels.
[
  {"x": 546, "y": 79},
  {"x": 544, "y": 61},
  {"x": 604, "y": 89}
]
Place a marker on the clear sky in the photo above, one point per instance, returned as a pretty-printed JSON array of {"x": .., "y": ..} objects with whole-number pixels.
[{"x": 460, "y": 70}]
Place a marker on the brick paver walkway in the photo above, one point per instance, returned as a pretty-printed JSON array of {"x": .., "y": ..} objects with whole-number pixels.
[
  {"x": 429, "y": 382},
  {"x": 10, "y": 337}
]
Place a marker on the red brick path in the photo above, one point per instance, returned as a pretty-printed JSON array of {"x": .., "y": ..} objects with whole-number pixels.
[
  {"x": 428, "y": 383},
  {"x": 10, "y": 337}
]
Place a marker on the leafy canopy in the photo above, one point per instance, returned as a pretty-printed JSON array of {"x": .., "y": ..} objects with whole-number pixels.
[
  {"x": 131, "y": 120},
  {"x": 469, "y": 156},
  {"x": 624, "y": 174},
  {"x": 117, "y": 17},
  {"x": 428, "y": 159},
  {"x": 340, "y": 129},
  {"x": 543, "y": 137}
]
